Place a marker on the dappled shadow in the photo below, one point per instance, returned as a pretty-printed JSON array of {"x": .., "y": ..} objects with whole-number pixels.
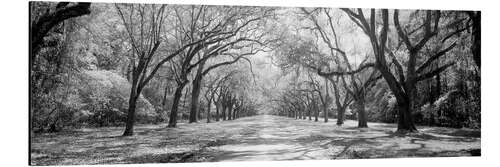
[
  {"x": 164, "y": 158},
  {"x": 455, "y": 132},
  {"x": 254, "y": 138},
  {"x": 391, "y": 144},
  {"x": 299, "y": 138}
]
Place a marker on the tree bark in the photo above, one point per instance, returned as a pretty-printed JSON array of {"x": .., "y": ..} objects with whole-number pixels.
[
  {"x": 316, "y": 110},
  {"x": 209, "y": 105},
  {"x": 223, "y": 114},
  {"x": 325, "y": 104},
  {"x": 405, "y": 120},
  {"x": 309, "y": 113},
  {"x": 217, "y": 109},
  {"x": 340, "y": 115},
  {"x": 195, "y": 94},
  {"x": 229, "y": 111},
  {"x": 46, "y": 22},
  {"x": 234, "y": 114},
  {"x": 476, "y": 36},
  {"x": 362, "y": 116},
  {"x": 129, "y": 124},
  {"x": 172, "y": 122},
  {"x": 304, "y": 114}
]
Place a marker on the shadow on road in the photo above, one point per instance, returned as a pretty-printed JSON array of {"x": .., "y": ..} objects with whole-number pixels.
[{"x": 254, "y": 138}]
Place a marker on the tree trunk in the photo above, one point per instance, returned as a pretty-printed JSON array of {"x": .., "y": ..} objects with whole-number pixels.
[
  {"x": 325, "y": 113},
  {"x": 362, "y": 116},
  {"x": 229, "y": 111},
  {"x": 209, "y": 105},
  {"x": 304, "y": 114},
  {"x": 223, "y": 114},
  {"x": 325, "y": 104},
  {"x": 199, "y": 112},
  {"x": 195, "y": 94},
  {"x": 172, "y": 122},
  {"x": 217, "y": 109},
  {"x": 476, "y": 37},
  {"x": 299, "y": 114},
  {"x": 234, "y": 114},
  {"x": 129, "y": 124},
  {"x": 316, "y": 110},
  {"x": 184, "y": 102},
  {"x": 309, "y": 113},
  {"x": 405, "y": 120},
  {"x": 340, "y": 115}
]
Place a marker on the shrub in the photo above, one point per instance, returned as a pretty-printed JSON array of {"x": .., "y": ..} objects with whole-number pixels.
[{"x": 106, "y": 95}]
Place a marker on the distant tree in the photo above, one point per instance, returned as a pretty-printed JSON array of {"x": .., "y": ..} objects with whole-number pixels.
[
  {"x": 356, "y": 87},
  {"x": 222, "y": 35}
]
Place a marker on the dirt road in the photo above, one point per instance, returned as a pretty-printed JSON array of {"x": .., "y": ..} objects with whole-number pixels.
[{"x": 261, "y": 138}]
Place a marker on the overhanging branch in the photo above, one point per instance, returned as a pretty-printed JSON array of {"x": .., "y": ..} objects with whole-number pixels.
[
  {"x": 434, "y": 72},
  {"x": 435, "y": 57},
  {"x": 336, "y": 73}
]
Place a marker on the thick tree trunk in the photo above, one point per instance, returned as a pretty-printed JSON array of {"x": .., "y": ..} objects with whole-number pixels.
[
  {"x": 129, "y": 124},
  {"x": 405, "y": 120},
  {"x": 476, "y": 36},
  {"x": 195, "y": 94},
  {"x": 340, "y": 115},
  {"x": 362, "y": 116},
  {"x": 223, "y": 114},
  {"x": 172, "y": 122}
]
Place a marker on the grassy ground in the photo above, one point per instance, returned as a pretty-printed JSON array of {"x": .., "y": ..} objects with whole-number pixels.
[{"x": 261, "y": 137}]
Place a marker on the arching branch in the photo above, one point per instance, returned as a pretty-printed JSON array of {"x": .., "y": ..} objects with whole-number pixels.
[{"x": 46, "y": 22}]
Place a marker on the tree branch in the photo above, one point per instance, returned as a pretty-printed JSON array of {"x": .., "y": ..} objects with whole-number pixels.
[
  {"x": 334, "y": 73},
  {"x": 434, "y": 72},
  {"x": 435, "y": 57},
  {"x": 46, "y": 22}
]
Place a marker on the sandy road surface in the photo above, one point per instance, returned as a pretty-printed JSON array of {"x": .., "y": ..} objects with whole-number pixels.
[{"x": 262, "y": 137}]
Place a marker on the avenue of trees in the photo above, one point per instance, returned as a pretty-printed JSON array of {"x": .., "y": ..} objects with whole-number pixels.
[
  {"x": 414, "y": 67},
  {"x": 122, "y": 64}
]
